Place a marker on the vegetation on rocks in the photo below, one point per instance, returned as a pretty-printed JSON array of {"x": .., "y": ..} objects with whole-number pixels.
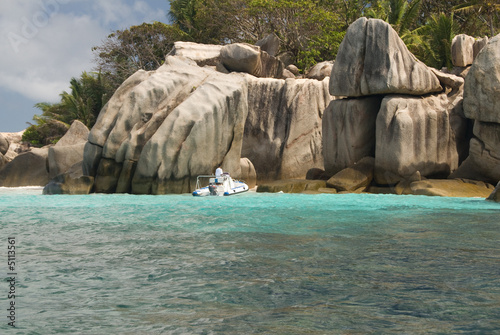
[{"x": 310, "y": 31}]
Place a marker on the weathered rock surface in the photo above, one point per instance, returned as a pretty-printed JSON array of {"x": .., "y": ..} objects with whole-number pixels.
[
  {"x": 202, "y": 54},
  {"x": 481, "y": 91},
  {"x": 294, "y": 69},
  {"x": 291, "y": 186},
  {"x": 269, "y": 44},
  {"x": 248, "y": 173},
  {"x": 71, "y": 182},
  {"x": 4, "y": 145},
  {"x": 414, "y": 134},
  {"x": 481, "y": 95},
  {"x": 479, "y": 44},
  {"x": 462, "y": 50},
  {"x": 76, "y": 134},
  {"x": 283, "y": 129},
  {"x": 495, "y": 195},
  {"x": 241, "y": 57},
  {"x": 483, "y": 162},
  {"x": 163, "y": 128},
  {"x": 372, "y": 59},
  {"x": 451, "y": 188},
  {"x": 316, "y": 174},
  {"x": 349, "y": 131},
  {"x": 356, "y": 177},
  {"x": 27, "y": 169},
  {"x": 320, "y": 71},
  {"x": 68, "y": 150},
  {"x": 61, "y": 158}
]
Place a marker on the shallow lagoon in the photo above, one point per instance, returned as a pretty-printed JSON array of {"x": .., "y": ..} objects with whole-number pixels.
[{"x": 251, "y": 264}]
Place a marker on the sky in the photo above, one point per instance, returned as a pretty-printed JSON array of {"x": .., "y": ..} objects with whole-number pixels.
[{"x": 44, "y": 43}]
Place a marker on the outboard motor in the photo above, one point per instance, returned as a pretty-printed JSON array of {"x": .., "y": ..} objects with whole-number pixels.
[{"x": 213, "y": 189}]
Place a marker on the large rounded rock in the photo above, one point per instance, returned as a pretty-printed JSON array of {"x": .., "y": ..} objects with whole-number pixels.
[
  {"x": 320, "y": 71},
  {"x": 161, "y": 129},
  {"x": 414, "y": 135},
  {"x": 372, "y": 59},
  {"x": 71, "y": 182},
  {"x": 78, "y": 133},
  {"x": 349, "y": 132},
  {"x": 481, "y": 91},
  {"x": 479, "y": 44},
  {"x": 195, "y": 138},
  {"x": 355, "y": 177},
  {"x": 270, "y": 44},
  {"x": 4, "y": 145},
  {"x": 61, "y": 158},
  {"x": 242, "y": 57},
  {"x": 27, "y": 169},
  {"x": 68, "y": 150},
  {"x": 248, "y": 173},
  {"x": 462, "y": 50},
  {"x": 202, "y": 54},
  {"x": 451, "y": 188}
]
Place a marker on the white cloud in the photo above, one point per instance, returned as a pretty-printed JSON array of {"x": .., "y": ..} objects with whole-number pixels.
[{"x": 44, "y": 43}]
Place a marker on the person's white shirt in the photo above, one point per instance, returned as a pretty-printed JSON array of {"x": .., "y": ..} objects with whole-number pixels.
[{"x": 218, "y": 172}]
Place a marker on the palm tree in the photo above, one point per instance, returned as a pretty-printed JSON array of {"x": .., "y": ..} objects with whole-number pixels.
[
  {"x": 182, "y": 13},
  {"x": 400, "y": 14},
  {"x": 437, "y": 36},
  {"x": 483, "y": 8}
]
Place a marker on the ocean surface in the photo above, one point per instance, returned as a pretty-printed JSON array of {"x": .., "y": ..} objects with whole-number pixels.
[{"x": 249, "y": 264}]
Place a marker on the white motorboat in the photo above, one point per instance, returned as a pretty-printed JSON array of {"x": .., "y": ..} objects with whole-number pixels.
[{"x": 219, "y": 185}]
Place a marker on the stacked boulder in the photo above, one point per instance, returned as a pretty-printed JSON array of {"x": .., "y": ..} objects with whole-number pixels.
[
  {"x": 37, "y": 166},
  {"x": 391, "y": 107},
  {"x": 161, "y": 129},
  {"x": 482, "y": 104}
]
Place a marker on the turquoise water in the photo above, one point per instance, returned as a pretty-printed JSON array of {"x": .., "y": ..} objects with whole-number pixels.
[{"x": 251, "y": 264}]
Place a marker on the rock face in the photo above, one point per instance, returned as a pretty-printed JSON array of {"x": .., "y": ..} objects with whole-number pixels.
[
  {"x": 202, "y": 54},
  {"x": 4, "y": 145},
  {"x": 320, "y": 71},
  {"x": 270, "y": 44},
  {"x": 372, "y": 59},
  {"x": 406, "y": 115},
  {"x": 241, "y": 57},
  {"x": 248, "y": 174},
  {"x": 462, "y": 50},
  {"x": 163, "y": 128},
  {"x": 349, "y": 131},
  {"x": 71, "y": 182},
  {"x": 451, "y": 188},
  {"x": 355, "y": 177},
  {"x": 68, "y": 150},
  {"x": 291, "y": 186},
  {"x": 481, "y": 103},
  {"x": 283, "y": 129},
  {"x": 414, "y": 134},
  {"x": 27, "y": 169},
  {"x": 481, "y": 93}
]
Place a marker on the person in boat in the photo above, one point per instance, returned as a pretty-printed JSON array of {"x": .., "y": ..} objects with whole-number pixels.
[{"x": 218, "y": 172}]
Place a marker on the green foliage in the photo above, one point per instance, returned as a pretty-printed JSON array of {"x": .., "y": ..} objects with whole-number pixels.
[
  {"x": 437, "y": 37},
  {"x": 308, "y": 29},
  {"x": 87, "y": 96},
  {"x": 138, "y": 47},
  {"x": 484, "y": 10},
  {"x": 46, "y": 131}
]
